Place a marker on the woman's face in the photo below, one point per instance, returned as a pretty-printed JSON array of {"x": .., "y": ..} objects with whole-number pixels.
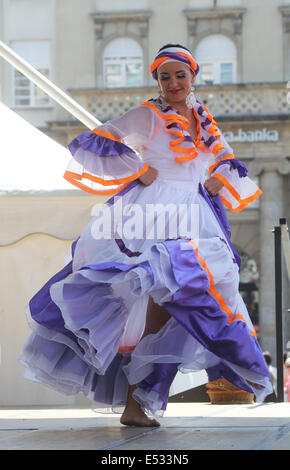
[{"x": 175, "y": 79}]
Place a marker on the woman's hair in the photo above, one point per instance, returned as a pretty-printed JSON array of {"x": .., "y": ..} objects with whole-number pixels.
[{"x": 174, "y": 45}]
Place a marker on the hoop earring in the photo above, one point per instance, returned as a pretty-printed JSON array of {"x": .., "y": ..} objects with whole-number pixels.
[{"x": 190, "y": 99}]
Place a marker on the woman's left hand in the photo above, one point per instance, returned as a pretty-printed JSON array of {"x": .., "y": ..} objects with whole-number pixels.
[{"x": 213, "y": 185}]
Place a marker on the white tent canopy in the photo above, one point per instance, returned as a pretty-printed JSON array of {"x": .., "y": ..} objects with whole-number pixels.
[{"x": 30, "y": 160}]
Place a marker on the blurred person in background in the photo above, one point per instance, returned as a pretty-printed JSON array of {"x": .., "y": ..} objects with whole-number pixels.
[{"x": 287, "y": 378}]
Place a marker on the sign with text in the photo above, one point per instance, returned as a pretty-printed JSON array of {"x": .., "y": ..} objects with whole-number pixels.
[{"x": 262, "y": 135}]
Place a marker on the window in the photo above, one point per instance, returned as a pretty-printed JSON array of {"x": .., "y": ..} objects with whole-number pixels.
[
  {"x": 123, "y": 64},
  {"x": 216, "y": 55},
  {"x": 25, "y": 92},
  {"x": 206, "y": 73},
  {"x": 226, "y": 72}
]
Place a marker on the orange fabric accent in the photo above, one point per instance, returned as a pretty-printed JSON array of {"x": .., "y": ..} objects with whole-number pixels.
[
  {"x": 160, "y": 60},
  {"x": 227, "y": 157},
  {"x": 157, "y": 62},
  {"x": 175, "y": 144},
  {"x": 185, "y": 158},
  {"x": 197, "y": 140},
  {"x": 184, "y": 124},
  {"x": 124, "y": 349},
  {"x": 216, "y": 294},
  {"x": 217, "y": 147},
  {"x": 235, "y": 194},
  {"x": 75, "y": 178},
  {"x": 80, "y": 185},
  {"x": 213, "y": 130},
  {"x": 210, "y": 116},
  {"x": 96, "y": 179},
  {"x": 229, "y": 206},
  {"x": 105, "y": 134},
  {"x": 228, "y": 186},
  {"x": 174, "y": 117},
  {"x": 191, "y": 60},
  {"x": 201, "y": 146},
  {"x": 242, "y": 206}
]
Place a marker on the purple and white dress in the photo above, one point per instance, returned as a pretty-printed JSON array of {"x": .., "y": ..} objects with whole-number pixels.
[{"x": 169, "y": 240}]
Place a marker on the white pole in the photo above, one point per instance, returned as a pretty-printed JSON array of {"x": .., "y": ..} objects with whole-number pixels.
[{"x": 48, "y": 87}]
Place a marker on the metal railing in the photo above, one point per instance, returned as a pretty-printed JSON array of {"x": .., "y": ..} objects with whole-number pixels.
[
  {"x": 225, "y": 101},
  {"x": 48, "y": 87}
]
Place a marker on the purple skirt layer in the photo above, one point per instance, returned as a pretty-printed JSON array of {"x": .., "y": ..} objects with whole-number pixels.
[
  {"x": 233, "y": 346},
  {"x": 219, "y": 211},
  {"x": 43, "y": 309},
  {"x": 78, "y": 322}
]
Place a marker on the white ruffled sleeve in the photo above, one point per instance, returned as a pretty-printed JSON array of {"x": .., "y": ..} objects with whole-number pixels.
[
  {"x": 238, "y": 190},
  {"x": 107, "y": 158}
]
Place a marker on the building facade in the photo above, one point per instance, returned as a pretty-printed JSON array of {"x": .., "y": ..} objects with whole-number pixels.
[{"x": 99, "y": 51}]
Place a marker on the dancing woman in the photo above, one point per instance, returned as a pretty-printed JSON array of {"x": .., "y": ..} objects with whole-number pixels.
[{"x": 136, "y": 304}]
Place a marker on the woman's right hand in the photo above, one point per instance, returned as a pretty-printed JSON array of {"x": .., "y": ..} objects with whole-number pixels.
[{"x": 149, "y": 176}]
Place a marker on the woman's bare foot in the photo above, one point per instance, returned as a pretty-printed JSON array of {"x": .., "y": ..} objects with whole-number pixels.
[
  {"x": 156, "y": 318},
  {"x": 137, "y": 417},
  {"x": 133, "y": 414}
]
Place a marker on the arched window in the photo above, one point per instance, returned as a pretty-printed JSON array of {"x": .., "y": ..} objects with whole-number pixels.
[
  {"x": 217, "y": 57},
  {"x": 123, "y": 64}
]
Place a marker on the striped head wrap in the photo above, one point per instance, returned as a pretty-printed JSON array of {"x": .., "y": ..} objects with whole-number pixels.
[{"x": 173, "y": 54}]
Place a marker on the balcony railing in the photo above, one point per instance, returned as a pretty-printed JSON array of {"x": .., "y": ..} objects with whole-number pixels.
[{"x": 255, "y": 99}]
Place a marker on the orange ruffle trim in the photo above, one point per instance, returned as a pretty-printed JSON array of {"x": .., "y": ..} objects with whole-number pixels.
[
  {"x": 189, "y": 153},
  {"x": 227, "y": 157},
  {"x": 216, "y": 294},
  {"x": 75, "y": 179},
  {"x": 243, "y": 202}
]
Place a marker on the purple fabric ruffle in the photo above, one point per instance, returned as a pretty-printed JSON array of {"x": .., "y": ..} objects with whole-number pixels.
[
  {"x": 221, "y": 370},
  {"x": 169, "y": 268},
  {"x": 235, "y": 164},
  {"x": 201, "y": 315},
  {"x": 160, "y": 380},
  {"x": 44, "y": 311},
  {"x": 219, "y": 211},
  {"x": 102, "y": 146}
]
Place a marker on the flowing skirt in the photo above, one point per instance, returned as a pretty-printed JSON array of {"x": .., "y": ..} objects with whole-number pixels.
[{"x": 88, "y": 319}]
